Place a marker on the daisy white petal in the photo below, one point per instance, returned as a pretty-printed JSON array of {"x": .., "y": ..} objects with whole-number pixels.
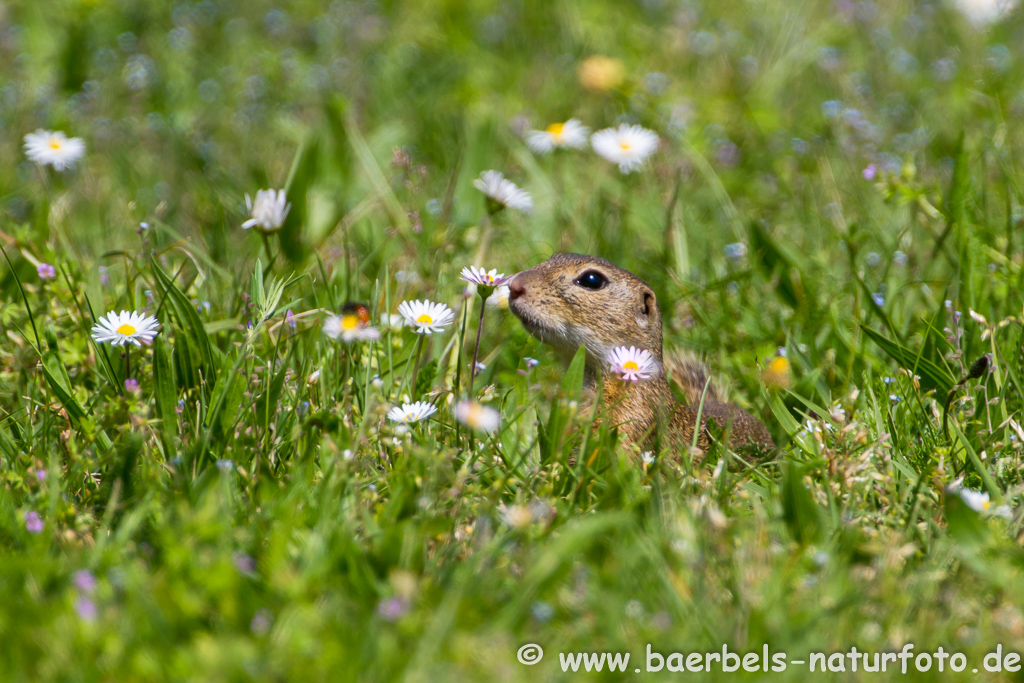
[
  {"x": 632, "y": 364},
  {"x": 349, "y": 328},
  {"x": 486, "y": 278},
  {"x": 569, "y": 135},
  {"x": 978, "y": 501},
  {"x": 472, "y": 414},
  {"x": 628, "y": 146},
  {"x": 426, "y": 317},
  {"x": 502, "y": 193},
  {"x": 125, "y": 328},
  {"x": 53, "y": 148},
  {"x": 268, "y": 212},
  {"x": 412, "y": 412}
]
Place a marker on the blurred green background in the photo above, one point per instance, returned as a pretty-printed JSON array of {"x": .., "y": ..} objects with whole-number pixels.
[{"x": 838, "y": 185}]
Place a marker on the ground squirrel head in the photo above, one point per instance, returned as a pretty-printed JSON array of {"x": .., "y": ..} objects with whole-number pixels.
[{"x": 572, "y": 300}]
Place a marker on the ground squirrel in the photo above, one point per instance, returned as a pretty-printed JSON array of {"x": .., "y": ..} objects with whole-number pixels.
[{"x": 572, "y": 300}]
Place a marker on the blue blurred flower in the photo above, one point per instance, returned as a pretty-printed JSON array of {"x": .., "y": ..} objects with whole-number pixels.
[
  {"x": 735, "y": 251},
  {"x": 542, "y": 611}
]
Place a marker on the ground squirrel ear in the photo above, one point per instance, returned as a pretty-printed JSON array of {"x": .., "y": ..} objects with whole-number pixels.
[{"x": 649, "y": 303}]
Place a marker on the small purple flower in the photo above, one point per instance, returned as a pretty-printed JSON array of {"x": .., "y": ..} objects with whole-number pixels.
[
  {"x": 531, "y": 362},
  {"x": 878, "y": 299},
  {"x": 46, "y": 271},
  {"x": 225, "y": 465},
  {"x": 244, "y": 563},
  {"x": 84, "y": 580},
  {"x": 104, "y": 276},
  {"x": 40, "y": 474},
  {"x": 86, "y": 608},
  {"x": 131, "y": 385},
  {"x": 393, "y": 609},
  {"x": 33, "y": 522},
  {"x": 727, "y": 154},
  {"x": 869, "y": 172},
  {"x": 261, "y": 621},
  {"x": 289, "y": 319}
]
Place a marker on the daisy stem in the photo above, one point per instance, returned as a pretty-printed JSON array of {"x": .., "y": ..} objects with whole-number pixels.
[
  {"x": 416, "y": 366},
  {"x": 266, "y": 247},
  {"x": 476, "y": 351}
]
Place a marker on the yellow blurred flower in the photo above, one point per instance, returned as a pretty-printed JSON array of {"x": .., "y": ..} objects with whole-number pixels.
[
  {"x": 776, "y": 375},
  {"x": 599, "y": 73}
]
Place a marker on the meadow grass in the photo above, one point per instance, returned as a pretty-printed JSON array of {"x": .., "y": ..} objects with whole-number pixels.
[{"x": 832, "y": 221}]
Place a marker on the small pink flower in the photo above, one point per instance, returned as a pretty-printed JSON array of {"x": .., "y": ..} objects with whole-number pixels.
[
  {"x": 869, "y": 172},
  {"x": 86, "y": 608},
  {"x": 131, "y": 385},
  {"x": 84, "y": 581},
  {"x": 46, "y": 271},
  {"x": 33, "y": 522}
]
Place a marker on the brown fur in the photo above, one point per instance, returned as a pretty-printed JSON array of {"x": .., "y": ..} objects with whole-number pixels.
[{"x": 561, "y": 313}]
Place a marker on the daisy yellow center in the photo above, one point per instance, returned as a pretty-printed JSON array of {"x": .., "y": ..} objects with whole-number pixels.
[
  {"x": 425, "y": 319},
  {"x": 54, "y": 143},
  {"x": 631, "y": 366},
  {"x": 126, "y": 329},
  {"x": 625, "y": 146},
  {"x": 985, "y": 504},
  {"x": 555, "y": 129},
  {"x": 350, "y": 322}
]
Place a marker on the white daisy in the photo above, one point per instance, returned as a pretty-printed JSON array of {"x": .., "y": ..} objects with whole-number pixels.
[
  {"x": 426, "y": 316},
  {"x": 984, "y": 12},
  {"x": 479, "y": 276},
  {"x": 632, "y": 364},
  {"x": 412, "y": 412},
  {"x": 516, "y": 516},
  {"x": 53, "y": 148},
  {"x": 978, "y": 501},
  {"x": 569, "y": 135},
  {"x": 392, "y": 321},
  {"x": 268, "y": 212},
  {"x": 349, "y": 327},
  {"x": 472, "y": 414},
  {"x": 628, "y": 146},
  {"x": 125, "y": 328},
  {"x": 502, "y": 193},
  {"x": 648, "y": 458}
]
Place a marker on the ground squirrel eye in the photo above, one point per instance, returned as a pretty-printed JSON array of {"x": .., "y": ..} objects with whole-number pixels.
[{"x": 592, "y": 280}]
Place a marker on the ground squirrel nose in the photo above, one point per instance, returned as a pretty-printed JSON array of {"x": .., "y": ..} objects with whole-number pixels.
[{"x": 515, "y": 289}]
